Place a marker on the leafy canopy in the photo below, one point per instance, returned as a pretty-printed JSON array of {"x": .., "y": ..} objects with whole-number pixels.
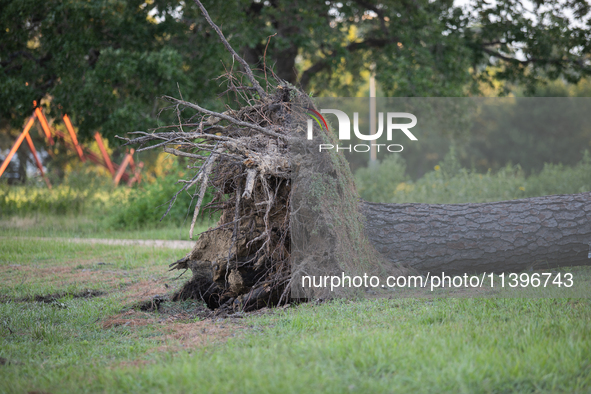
[{"x": 105, "y": 62}]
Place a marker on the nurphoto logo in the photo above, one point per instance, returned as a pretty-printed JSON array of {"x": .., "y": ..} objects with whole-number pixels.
[{"x": 345, "y": 129}]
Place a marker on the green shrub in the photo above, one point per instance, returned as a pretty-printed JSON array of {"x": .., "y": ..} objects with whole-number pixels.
[
  {"x": 146, "y": 204},
  {"x": 375, "y": 183},
  {"x": 559, "y": 179},
  {"x": 84, "y": 192}
]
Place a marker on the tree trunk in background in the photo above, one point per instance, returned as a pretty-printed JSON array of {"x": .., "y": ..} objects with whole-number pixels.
[
  {"x": 537, "y": 233},
  {"x": 22, "y": 165}
]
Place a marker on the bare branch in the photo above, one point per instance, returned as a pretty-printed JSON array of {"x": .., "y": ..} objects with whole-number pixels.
[
  {"x": 184, "y": 154},
  {"x": 207, "y": 167},
  {"x": 226, "y": 117},
  {"x": 247, "y": 69}
]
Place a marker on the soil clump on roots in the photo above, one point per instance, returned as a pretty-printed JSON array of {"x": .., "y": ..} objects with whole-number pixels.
[{"x": 286, "y": 209}]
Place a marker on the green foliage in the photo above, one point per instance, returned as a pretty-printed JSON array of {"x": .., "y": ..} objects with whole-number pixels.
[
  {"x": 60, "y": 200},
  {"x": 147, "y": 204},
  {"x": 374, "y": 183},
  {"x": 531, "y": 131},
  {"x": 121, "y": 85},
  {"x": 560, "y": 179},
  {"x": 84, "y": 193},
  {"x": 448, "y": 183},
  {"x": 105, "y": 62},
  {"x": 547, "y": 32}
]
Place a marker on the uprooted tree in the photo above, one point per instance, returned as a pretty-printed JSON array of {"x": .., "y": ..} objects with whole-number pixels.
[
  {"x": 264, "y": 174},
  {"x": 288, "y": 210}
]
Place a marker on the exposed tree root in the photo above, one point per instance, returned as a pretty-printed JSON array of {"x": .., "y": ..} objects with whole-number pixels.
[{"x": 243, "y": 155}]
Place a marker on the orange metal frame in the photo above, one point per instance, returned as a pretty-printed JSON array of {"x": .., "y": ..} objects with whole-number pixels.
[
  {"x": 37, "y": 161},
  {"x": 103, "y": 150},
  {"x": 128, "y": 160},
  {"x": 73, "y": 136},
  {"x": 118, "y": 172},
  {"x": 19, "y": 141}
]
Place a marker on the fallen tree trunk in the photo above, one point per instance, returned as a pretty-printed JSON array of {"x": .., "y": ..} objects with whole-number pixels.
[{"x": 541, "y": 232}]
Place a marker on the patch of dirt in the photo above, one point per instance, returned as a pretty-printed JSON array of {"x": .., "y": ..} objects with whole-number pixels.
[
  {"x": 130, "y": 318},
  {"x": 151, "y": 305},
  {"x": 64, "y": 274},
  {"x": 186, "y": 310},
  {"x": 200, "y": 333},
  {"x": 85, "y": 274},
  {"x": 182, "y": 325},
  {"x": 5, "y": 361},
  {"x": 145, "y": 289},
  {"x": 179, "y": 325}
]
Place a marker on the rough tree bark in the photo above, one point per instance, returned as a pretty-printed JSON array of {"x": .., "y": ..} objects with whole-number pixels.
[{"x": 516, "y": 235}]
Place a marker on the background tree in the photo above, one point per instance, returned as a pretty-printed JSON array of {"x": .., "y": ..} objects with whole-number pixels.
[{"x": 105, "y": 62}]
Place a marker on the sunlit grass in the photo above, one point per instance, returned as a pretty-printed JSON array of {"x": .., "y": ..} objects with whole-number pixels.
[
  {"x": 85, "y": 226},
  {"x": 390, "y": 345},
  {"x": 29, "y": 267}
]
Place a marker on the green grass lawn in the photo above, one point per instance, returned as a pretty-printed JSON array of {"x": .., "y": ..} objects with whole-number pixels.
[
  {"x": 89, "y": 226},
  {"x": 74, "y": 343}
]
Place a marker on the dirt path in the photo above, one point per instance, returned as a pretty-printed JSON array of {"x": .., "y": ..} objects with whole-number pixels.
[{"x": 157, "y": 243}]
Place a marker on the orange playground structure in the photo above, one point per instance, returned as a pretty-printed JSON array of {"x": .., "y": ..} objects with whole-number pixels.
[{"x": 118, "y": 172}]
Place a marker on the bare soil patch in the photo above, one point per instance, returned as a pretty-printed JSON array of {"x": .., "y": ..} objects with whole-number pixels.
[
  {"x": 145, "y": 296},
  {"x": 130, "y": 318},
  {"x": 66, "y": 273},
  {"x": 145, "y": 290},
  {"x": 184, "y": 325}
]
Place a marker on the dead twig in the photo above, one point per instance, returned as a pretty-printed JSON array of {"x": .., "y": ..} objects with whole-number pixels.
[
  {"x": 205, "y": 175},
  {"x": 226, "y": 117},
  {"x": 247, "y": 69}
]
